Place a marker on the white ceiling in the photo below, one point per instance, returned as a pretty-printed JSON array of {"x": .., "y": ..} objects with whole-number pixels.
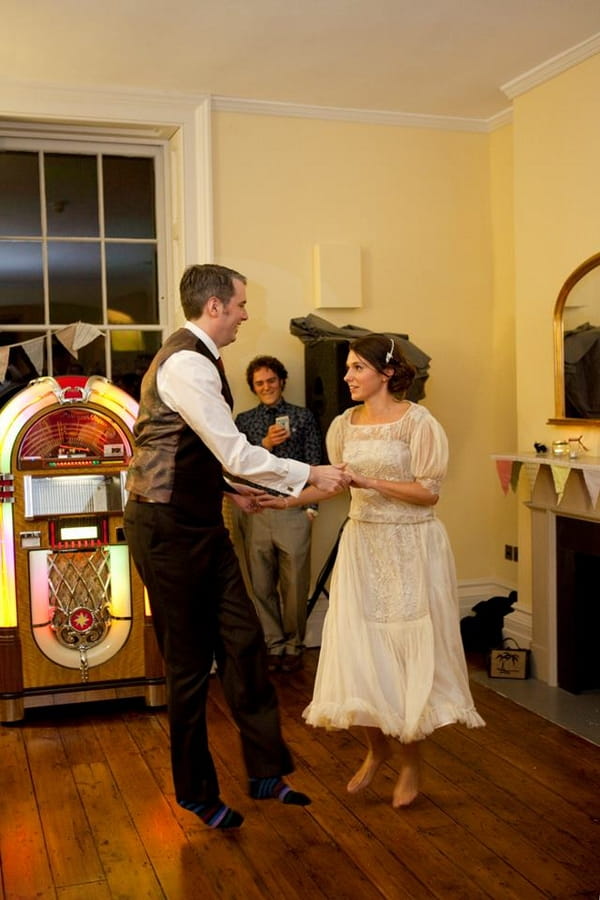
[{"x": 430, "y": 57}]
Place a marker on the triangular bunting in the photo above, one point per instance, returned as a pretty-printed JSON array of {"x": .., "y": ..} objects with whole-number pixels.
[
  {"x": 66, "y": 336},
  {"x": 76, "y": 336},
  {"x": 559, "y": 476},
  {"x": 531, "y": 470},
  {"x": 35, "y": 351},
  {"x": 504, "y": 469},
  {"x": 4, "y": 354},
  {"x": 514, "y": 475},
  {"x": 592, "y": 483},
  {"x": 85, "y": 334}
]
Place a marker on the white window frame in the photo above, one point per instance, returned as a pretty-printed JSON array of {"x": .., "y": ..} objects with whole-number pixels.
[
  {"x": 70, "y": 142},
  {"x": 178, "y": 123}
]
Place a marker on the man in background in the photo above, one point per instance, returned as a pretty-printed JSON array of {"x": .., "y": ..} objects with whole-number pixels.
[{"x": 277, "y": 542}]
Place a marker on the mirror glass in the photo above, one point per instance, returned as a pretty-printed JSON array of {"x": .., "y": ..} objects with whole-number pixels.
[{"x": 577, "y": 344}]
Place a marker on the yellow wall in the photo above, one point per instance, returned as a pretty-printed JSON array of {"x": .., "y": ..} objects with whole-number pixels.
[
  {"x": 557, "y": 226},
  {"x": 504, "y": 509},
  {"x": 418, "y": 203}
]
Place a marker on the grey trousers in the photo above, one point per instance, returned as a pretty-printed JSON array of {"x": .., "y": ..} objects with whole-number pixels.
[{"x": 277, "y": 550}]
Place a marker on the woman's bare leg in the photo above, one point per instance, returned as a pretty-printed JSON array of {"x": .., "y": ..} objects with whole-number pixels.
[
  {"x": 407, "y": 786},
  {"x": 377, "y": 753}
]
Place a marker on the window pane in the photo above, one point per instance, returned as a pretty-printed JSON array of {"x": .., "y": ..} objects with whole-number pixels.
[
  {"x": 75, "y": 283},
  {"x": 71, "y": 195},
  {"x": 131, "y": 283},
  {"x": 20, "y": 210},
  {"x": 90, "y": 360},
  {"x": 131, "y": 353},
  {"x": 128, "y": 197},
  {"x": 21, "y": 282}
]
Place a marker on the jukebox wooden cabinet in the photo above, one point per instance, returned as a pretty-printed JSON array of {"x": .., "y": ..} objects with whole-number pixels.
[{"x": 74, "y": 623}]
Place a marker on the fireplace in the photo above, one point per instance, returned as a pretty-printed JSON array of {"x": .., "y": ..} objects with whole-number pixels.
[
  {"x": 577, "y": 604},
  {"x": 565, "y": 559}
]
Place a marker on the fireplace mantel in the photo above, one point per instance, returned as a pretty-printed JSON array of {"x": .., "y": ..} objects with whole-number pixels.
[
  {"x": 548, "y": 459},
  {"x": 545, "y": 504}
]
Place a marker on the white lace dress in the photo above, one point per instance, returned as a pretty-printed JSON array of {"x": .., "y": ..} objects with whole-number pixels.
[{"x": 391, "y": 653}]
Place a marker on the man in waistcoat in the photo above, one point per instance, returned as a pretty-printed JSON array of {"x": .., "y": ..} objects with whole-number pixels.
[{"x": 185, "y": 438}]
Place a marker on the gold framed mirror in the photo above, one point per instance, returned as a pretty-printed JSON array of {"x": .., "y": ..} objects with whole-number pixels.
[{"x": 577, "y": 347}]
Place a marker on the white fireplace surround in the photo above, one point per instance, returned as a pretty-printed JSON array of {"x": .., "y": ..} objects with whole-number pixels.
[{"x": 545, "y": 505}]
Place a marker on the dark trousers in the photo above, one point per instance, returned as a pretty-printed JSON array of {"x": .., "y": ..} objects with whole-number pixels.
[{"x": 201, "y": 611}]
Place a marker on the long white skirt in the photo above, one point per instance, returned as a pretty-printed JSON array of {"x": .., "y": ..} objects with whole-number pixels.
[{"x": 391, "y": 654}]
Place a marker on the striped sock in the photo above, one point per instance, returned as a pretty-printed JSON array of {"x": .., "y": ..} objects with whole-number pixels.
[
  {"x": 276, "y": 788},
  {"x": 215, "y": 815}
]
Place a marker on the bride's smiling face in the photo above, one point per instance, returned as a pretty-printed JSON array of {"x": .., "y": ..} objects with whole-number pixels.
[{"x": 362, "y": 379}]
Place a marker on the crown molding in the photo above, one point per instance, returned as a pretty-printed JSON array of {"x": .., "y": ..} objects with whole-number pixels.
[
  {"x": 504, "y": 117},
  {"x": 155, "y": 114},
  {"x": 341, "y": 114},
  {"x": 552, "y": 67}
]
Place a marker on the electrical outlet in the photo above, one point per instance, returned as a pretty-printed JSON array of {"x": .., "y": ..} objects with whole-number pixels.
[
  {"x": 508, "y": 551},
  {"x": 515, "y": 554}
]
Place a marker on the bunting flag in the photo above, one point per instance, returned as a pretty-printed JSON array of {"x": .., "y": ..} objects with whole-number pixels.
[
  {"x": 510, "y": 469},
  {"x": 72, "y": 337},
  {"x": 76, "y": 336},
  {"x": 559, "y": 476},
  {"x": 35, "y": 351},
  {"x": 504, "y": 469},
  {"x": 592, "y": 483},
  {"x": 514, "y": 476},
  {"x": 4, "y": 353},
  {"x": 531, "y": 470}
]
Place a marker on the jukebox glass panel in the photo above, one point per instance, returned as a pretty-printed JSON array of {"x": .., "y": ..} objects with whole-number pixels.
[{"x": 72, "y": 433}]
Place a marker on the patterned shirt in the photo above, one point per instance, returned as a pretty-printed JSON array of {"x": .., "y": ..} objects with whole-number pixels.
[{"x": 304, "y": 442}]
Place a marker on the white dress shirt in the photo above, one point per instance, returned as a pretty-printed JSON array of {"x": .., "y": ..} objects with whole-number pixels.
[{"x": 189, "y": 384}]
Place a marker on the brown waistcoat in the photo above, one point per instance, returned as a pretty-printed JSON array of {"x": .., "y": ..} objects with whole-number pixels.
[{"x": 171, "y": 464}]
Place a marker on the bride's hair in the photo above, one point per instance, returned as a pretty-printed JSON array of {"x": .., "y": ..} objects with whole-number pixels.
[{"x": 383, "y": 352}]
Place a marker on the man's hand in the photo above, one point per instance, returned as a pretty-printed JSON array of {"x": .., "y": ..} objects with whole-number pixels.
[
  {"x": 329, "y": 478},
  {"x": 249, "y": 501},
  {"x": 276, "y": 435}
]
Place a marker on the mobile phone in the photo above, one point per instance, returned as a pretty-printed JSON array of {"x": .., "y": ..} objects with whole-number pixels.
[{"x": 283, "y": 422}]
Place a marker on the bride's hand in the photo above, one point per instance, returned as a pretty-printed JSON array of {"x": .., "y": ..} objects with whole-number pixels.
[{"x": 356, "y": 480}]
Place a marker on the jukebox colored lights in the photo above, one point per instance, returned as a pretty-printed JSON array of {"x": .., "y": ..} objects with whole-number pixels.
[{"x": 8, "y": 597}]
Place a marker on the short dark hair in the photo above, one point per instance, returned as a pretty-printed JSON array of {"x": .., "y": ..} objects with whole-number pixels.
[
  {"x": 200, "y": 282},
  {"x": 383, "y": 352},
  {"x": 265, "y": 362}
]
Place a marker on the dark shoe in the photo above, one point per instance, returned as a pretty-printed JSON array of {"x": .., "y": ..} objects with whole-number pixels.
[
  {"x": 274, "y": 661},
  {"x": 291, "y": 663}
]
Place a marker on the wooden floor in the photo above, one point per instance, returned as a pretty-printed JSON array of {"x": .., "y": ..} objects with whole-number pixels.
[{"x": 511, "y": 811}]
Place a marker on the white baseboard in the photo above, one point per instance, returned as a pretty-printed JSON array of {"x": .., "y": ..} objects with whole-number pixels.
[{"x": 516, "y": 625}]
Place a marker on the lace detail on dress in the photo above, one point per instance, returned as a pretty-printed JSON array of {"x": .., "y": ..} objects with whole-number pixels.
[{"x": 394, "y": 592}]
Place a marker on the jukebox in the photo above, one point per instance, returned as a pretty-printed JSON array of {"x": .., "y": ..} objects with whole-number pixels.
[{"x": 74, "y": 622}]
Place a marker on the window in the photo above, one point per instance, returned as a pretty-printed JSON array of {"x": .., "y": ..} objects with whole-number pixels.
[{"x": 81, "y": 241}]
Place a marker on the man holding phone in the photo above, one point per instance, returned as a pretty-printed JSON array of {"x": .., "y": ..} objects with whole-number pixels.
[{"x": 277, "y": 542}]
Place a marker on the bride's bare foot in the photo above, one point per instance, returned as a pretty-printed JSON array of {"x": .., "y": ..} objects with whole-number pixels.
[
  {"x": 373, "y": 760},
  {"x": 407, "y": 786},
  {"x": 377, "y": 753}
]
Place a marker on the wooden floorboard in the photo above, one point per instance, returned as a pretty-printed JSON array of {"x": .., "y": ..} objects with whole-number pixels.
[{"x": 87, "y": 811}]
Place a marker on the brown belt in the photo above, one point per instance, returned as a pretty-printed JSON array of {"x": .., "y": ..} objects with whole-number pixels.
[{"x": 139, "y": 499}]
